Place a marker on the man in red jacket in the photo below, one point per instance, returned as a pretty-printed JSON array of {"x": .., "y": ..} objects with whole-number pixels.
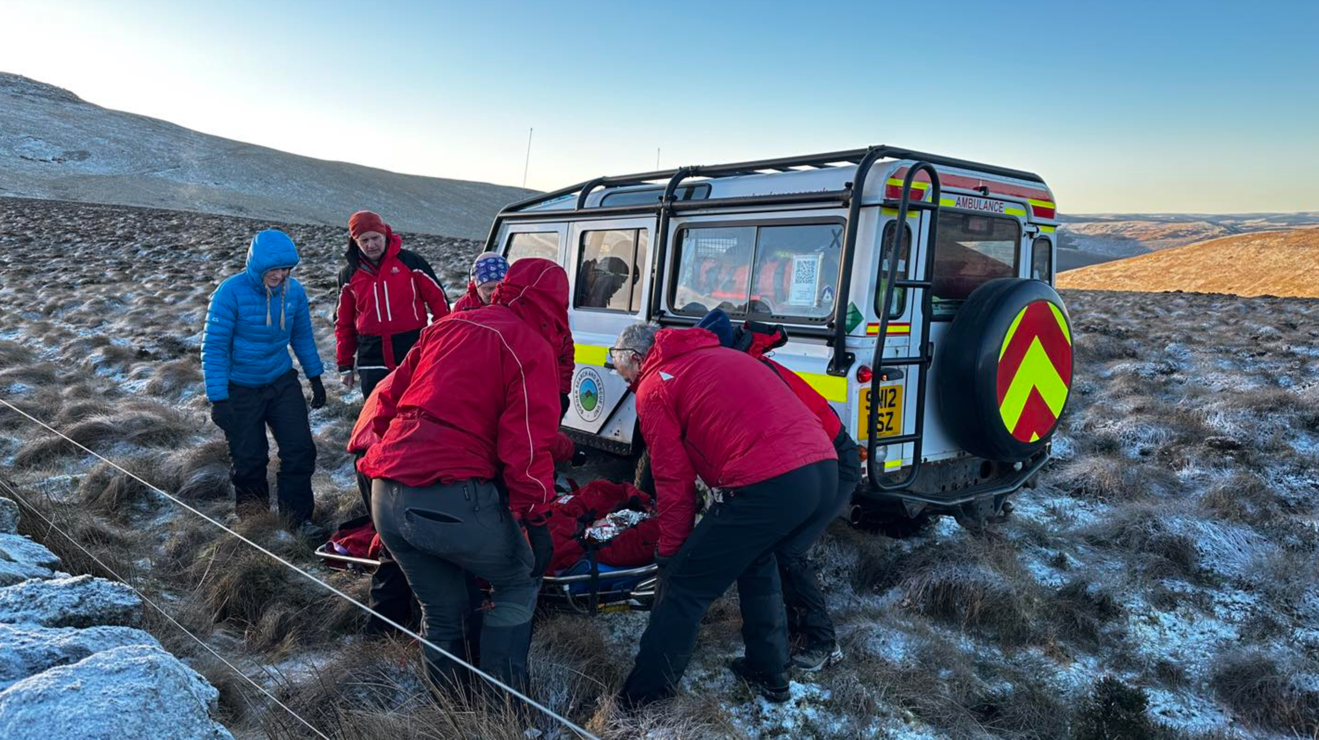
[
  {"x": 488, "y": 270},
  {"x": 385, "y": 293},
  {"x": 459, "y": 441},
  {"x": 808, "y": 615},
  {"x": 711, "y": 412}
]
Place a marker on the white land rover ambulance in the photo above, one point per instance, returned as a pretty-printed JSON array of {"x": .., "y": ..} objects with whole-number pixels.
[{"x": 952, "y": 392}]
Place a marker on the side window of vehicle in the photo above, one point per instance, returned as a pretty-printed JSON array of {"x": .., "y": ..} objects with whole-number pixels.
[
  {"x": 972, "y": 250},
  {"x": 609, "y": 265},
  {"x": 774, "y": 272},
  {"x": 796, "y": 271},
  {"x": 544, "y": 244},
  {"x": 1041, "y": 260},
  {"x": 904, "y": 268},
  {"x": 714, "y": 269}
]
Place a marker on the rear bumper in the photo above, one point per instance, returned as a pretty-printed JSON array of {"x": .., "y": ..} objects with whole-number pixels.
[{"x": 954, "y": 495}]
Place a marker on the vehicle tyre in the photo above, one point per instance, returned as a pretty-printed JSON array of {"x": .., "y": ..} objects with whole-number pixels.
[
  {"x": 889, "y": 521},
  {"x": 1004, "y": 370}
]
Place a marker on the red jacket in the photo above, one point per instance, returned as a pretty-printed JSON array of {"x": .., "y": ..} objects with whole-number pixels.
[
  {"x": 578, "y": 510},
  {"x": 382, "y": 308},
  {"x": 469, "y": 300},
  {"x": 477, "y": 397},
  {"x": 567, "y": 351},
  {"x": 762, "y": 342},
  {"x": 714, "y": 412}
]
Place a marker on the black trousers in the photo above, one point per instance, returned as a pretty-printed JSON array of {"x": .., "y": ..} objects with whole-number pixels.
[
  {"x": 369, "y": 378},
  {"x": 441, "y": 536},
  {"x": 734, "y": 542},
  {"x": 390, "y": 593},
  {"x": 281, "y": 407},
  {"x": 808, "y": 616}
]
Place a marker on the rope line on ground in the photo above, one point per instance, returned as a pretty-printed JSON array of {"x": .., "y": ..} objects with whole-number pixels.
[
  {"x": 157, "y": 607},
  {"x": 581, "y": 732}
]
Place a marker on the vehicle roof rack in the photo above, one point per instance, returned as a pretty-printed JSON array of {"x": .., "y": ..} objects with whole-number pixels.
[{"x": 797, "y": 163}]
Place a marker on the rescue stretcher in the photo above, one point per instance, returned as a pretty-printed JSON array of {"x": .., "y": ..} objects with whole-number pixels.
[{"x": 587, "y": 587}]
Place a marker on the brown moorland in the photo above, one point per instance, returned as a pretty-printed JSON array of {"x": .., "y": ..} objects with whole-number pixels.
[{"x": 1280, "y": 263}]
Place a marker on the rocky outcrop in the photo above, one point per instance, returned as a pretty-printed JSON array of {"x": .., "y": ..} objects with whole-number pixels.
[
  {"x": 8, "y": 516},
  {"x": 138, "y": 691},
  {"x": 22, "y": 559},
  {"x": 30, "y": 649},
  {"x": 71, "y": 601},
  {"x": 71, "y": 664}
]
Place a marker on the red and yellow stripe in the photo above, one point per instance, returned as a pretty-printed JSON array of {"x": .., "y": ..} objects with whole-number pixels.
[
  {"x": 894, "y": 330},
  {"x": 1034, "y": 371}
]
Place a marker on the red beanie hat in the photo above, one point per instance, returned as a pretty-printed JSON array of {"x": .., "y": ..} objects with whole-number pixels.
[{"x": 364, "y": 221}]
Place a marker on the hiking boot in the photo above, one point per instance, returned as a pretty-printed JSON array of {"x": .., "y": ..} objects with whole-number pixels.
[
  {"x": 773, "y": 688},
  {"x": 313, "y": 534},
  {"x": 817, "y": 659}
]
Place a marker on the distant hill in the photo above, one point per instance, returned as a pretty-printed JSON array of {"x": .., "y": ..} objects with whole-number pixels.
[
  {"x": 55, "y": 145},
  {"x": 1093, "y": 238},
  {"x": 1280, "y": 263}
]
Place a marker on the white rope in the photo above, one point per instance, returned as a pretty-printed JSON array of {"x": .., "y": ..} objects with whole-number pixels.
[
  {"x": 581, "y": 732},
  {"x": 158, "y": 608}
]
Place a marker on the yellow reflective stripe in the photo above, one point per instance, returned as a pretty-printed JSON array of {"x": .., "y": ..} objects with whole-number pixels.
[
  {"x": 894, "y": 212},
  {"x": 1015, "y": 212},
  {"x": 1036, "y": 373},
  {"x": 829, "y": 386},
  {"x": 586, "y": 354},
  {"x": 1041, "y": 203},
  {"x": 915, "y": 185},
  {"x": 892, "y": 464},
  {"x": 1047, "y": 229},
  {"x": 947, "y": 202},
  {"x": 1011, "y": 331},
  {"x": 1062, "y": 324}
]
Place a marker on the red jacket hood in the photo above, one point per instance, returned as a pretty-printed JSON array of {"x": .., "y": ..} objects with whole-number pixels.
[
  {"x": 762, "y": 339},
  {"x": 671, "y": 343},
  {"x": 537, "y": 291}
]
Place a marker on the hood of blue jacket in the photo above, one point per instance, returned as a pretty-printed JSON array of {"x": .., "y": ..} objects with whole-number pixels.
[{"x": 270, "y": 249}]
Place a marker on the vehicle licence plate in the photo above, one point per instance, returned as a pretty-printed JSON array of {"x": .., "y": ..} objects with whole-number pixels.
[{"x": 888, "y": 412}]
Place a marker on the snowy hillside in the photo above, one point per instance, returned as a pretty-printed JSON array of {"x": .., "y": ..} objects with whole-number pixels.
[
  {"x": 1159, "y": 583},
  {"x": 55, "y": 145}
]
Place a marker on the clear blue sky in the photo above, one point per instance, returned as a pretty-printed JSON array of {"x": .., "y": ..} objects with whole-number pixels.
[{"x": 1122, "y": 106}]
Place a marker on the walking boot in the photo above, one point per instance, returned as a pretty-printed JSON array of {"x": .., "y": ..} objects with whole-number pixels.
[
  {"x": 504, "y": 654},
  {"x": 774, "y": 688}
]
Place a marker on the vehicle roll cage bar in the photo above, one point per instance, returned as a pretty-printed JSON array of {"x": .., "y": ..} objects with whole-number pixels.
[{"x": 667, "y": 204}]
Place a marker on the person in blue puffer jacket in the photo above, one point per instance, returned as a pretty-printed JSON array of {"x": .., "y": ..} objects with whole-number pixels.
[{"x": 250, "y": 381}]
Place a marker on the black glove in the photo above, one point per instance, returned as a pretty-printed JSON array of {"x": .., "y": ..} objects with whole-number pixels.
[
  {"x": 564, "y": 403},
  {"x": 542, "y": 547},
  {"x": 317, "y": 392},
  {"x": 662, "y": 561},
  {"x": 221, "y": 415},
  {"x": 578, "y": 457}
]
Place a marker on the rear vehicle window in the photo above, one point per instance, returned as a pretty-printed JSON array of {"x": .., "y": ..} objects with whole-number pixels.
[
  {"x": 904, "y": 253},
  {"x": 544, "y": 244},
  {"x": 971, "y": 250},
  {"x": 1041, "y": 260},
  {"x": 609, "y": 265},
  {"x": 772, "y": 271}
]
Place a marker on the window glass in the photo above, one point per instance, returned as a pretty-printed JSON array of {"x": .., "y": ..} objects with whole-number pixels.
[
  {"x": 714, "y": 269},
  {"x": 775, "y": 272},
  {"x": 971, "y": 250},
  {"x": 651, "y": 196},
  {"x": 609, "y": 268},
  {"x": 544, "y": 244},
  {"x": 796, "y": 269},
  {"x": 904, "y": 253},
  {"x": 1041, "y": 261}
]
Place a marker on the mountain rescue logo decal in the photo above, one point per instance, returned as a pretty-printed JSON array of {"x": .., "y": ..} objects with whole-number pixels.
[
  {"x": 1034, "y": 371},
  {"x": 588, "y": 398}
]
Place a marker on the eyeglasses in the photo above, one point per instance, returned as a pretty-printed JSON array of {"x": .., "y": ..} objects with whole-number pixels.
[{"x": 613, "y": 363}]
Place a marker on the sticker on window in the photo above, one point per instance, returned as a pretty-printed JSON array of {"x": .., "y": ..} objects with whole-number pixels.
[{"x": 805, "y": 284}]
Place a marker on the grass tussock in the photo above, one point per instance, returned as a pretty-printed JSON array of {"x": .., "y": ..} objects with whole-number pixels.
[
  {"x": 978, "y": 585},
  {"x": 1142, "y": 532},
  {"x": 137, "y": 423},
  {"x": 1268, "y": 693},
  {"x": 63, "y": 527}
]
